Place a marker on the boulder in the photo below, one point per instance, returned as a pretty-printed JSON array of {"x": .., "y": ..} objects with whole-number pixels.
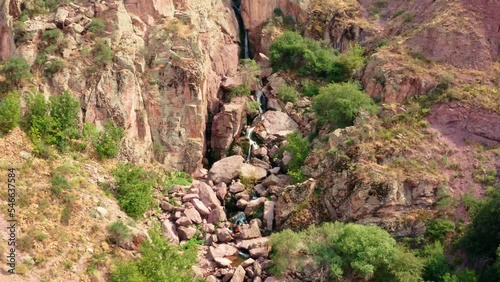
[
  {"x": 236, "y": 187},
  {"x": 186, "y": 233},
  {"x": 207, "y": 194},
  {"x": 253, "y": 205},
  {"x": 275, "y": 126},
  {"x": 226, "y": 169},
  {"x": 239, "y": 274},
  {"x": 268, "y": 215},
  {"x": 252, "y": 172},
  {"x": 222, "y": 250},
  {"x": 168, "y": 230},
  {"x": 193, "y": 215},
  {"x": 249, "y": 231},
  {"x": 217, "y": 215},
  {"x": 200, "y": 207},
  {"x": 223, "y": 235}
]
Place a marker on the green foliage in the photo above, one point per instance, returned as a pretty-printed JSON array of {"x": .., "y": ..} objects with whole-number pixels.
[
  {"x": 15, "y": 70},
  {"x": 343, "y": 251},
  {"x": 102, "y": 53},
  {"x": 52, "y": 67},
  {"x": 10, "y": 112},
  {"x": 134, "y": 189},
  {"x": 249, "y": 70},
  {"x": 59, "y": 184},
  {"x": 97, "y": 26},
  {"x": 310, "y": 88},
  {"x": 436, "y": 264},
  {"x": 159, "y": 261},
  {"x": 298, "y": 147},
  {"x": 107, "y": 144},
  {"x": 239, "y": 91},
  {"x": 340, "y": 103},
  {"x": 438, "y": 229},
  {"x": 118, "y": 232},
  {"x": 309, "y": 58},
  {"x": 287, "y": 93}
]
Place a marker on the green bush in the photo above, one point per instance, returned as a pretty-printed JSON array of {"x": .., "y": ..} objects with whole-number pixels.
[
  {"x": 310, "y": 88},
  {"x": 339, "y": 251},
  {"x": 59, "y": 184},
  {"x": 438, "y": 229},
  {"x": 134, "y": 189},
  {"x": 52, "y": 67},
  {"x": 287, "y": 93},
  {"x": 340, "y": 103},
  {"x": 15, "y": 70},
  {"x": 10, "y": 112},
  {"x": 97, "y": 26},
  {"x": 239, "y": 91},
  {"x": 102, "y": 53},
  {"x": 118, "y": 232},
  {"x": 299, "y": 149},
  {"x": 107, "y": 144},
  {"x": 159, "y": 261},
  {"x": 309, "y": 58}
]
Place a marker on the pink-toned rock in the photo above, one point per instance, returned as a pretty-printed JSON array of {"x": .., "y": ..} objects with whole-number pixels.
[
  {"x": 239, "y": 275},
  {"x": 207, "y": 194},
  {"x": 183, "y": 221},
  {"x": 268, "y": 215},
  {"x": 226, "y": 169},
  {"x": 217, "y": 215},
  {"x": 200, "y": 207},
  {"x": 186, "y": 233},
  {"x": 222, "y": 250},
  {"x": 193, "y": 215},
  {"x": 169, "y": 231},
  {"x": 189, "y": 197}
]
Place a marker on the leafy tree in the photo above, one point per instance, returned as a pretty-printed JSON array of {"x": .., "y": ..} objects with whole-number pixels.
[
  {"x": 346, "y": 251},
  {"x": 10, "y": 112},
  {"x": 340, "y": 103},
  {"x": 15, "y": 70},
  {"x": 299, "y": 148},
  {"x": 310, "y": 58},
  {"x": 134, "y": 189}
]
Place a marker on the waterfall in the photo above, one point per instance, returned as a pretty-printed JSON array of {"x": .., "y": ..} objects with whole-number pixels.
[
  {"x": 252, "y": 144},
  {"x": 245, "y": 43}
]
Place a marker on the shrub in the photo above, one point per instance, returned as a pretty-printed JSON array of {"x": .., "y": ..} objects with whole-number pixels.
[
  {"x": 97, "y": 26},
  {"x": 287, "y": 93},
  {"x": 107, "y": 144},
  {"x": 59, "y": 183},
  {"x": 299, "y": 148},
  {"x": 310, "y": 88},
  {"x": 134, "y": 189},
  {"x": 239, "y": 91},
  {"x": 339, "y": 251},
  {"x": 159, "y": 261},
  {"x": 10, "y": 112},
  {"x": 52, "y": 67},
  {"x": 15, "y": 70},
  {"x": 309, "y": 58},
  {"x": 102, "y": 53},
  {"x": 438, "y": 229},
  {"x": 340, "y": 103},
  {"x": 118, "y": 232}
]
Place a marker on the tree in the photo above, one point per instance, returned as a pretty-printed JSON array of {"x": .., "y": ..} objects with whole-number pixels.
[{"x": 340, "y": 103}]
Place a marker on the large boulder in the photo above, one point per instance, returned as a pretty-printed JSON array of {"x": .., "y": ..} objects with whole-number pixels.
[
  {"x": 227, "y": 125},
  {"x": 275, "y": 125},
  {"x": 226, "y": 169}
]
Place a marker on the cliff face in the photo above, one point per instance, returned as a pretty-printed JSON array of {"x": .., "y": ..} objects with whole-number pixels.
[{"x": 168, "y": 60}]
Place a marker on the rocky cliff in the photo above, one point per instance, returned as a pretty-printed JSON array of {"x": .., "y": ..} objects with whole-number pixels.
[{"x": 168, "y": 59}]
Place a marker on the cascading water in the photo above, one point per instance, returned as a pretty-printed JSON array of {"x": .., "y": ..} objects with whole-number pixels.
[{"x": 245, "y": 44}]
